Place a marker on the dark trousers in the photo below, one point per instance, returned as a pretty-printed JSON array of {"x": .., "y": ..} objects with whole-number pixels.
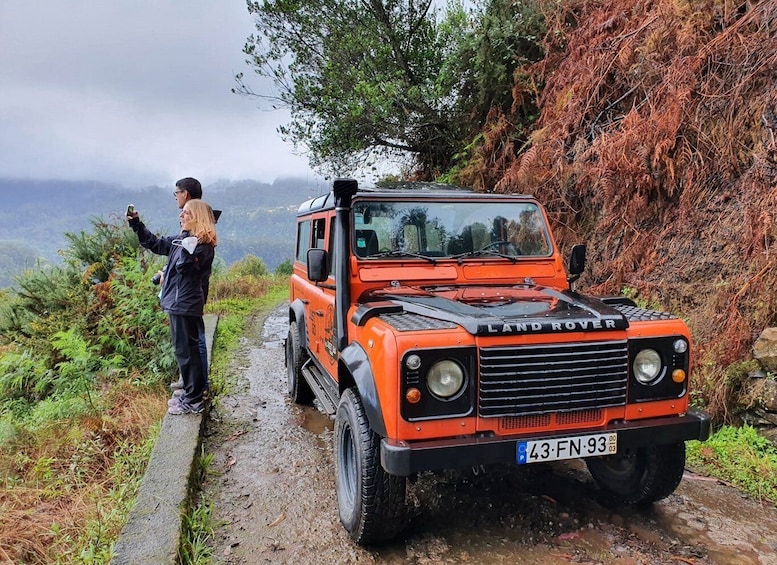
[
  {"x": 203, "y": 351},
  {"x": 185, "y": 331}
]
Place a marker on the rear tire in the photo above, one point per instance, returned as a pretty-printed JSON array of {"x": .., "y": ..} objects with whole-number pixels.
[
  {"x": 299, "y": 390},
  {"x": 639, "y": 476},
  {"x": 371, "y": 502}
]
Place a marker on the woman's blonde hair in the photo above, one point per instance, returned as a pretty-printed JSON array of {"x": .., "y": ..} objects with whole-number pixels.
[{"x": 203, "y": 223}]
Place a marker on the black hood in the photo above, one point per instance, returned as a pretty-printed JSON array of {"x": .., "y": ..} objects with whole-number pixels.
[{"x": 484, "y": 310}]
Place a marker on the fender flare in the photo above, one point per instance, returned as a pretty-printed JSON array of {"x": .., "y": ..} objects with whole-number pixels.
[
  {"x": 297, "y": 314},
  {"x": 356, "y": 362}
]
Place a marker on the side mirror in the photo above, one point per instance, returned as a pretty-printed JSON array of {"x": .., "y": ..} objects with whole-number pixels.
[
  {"x": 317, "y": 265},
  {"x": 576, "y": 263}
]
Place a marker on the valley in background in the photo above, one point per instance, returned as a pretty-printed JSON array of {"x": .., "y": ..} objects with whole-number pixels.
[{"x": 257, "y": 218}]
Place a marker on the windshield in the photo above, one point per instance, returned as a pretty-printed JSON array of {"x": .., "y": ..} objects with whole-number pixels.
[{"x": 449, "y": 229}]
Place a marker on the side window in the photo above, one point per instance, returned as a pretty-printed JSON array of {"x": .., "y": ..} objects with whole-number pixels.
[
  {"x": 303, "y": 241},
  {"x": 319, "y": 229},
  {"x": 331, "y": 247}
]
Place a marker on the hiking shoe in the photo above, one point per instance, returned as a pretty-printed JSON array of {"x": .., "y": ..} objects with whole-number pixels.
[
  {"x": 177, "y": 385},
  {"x": 185, "y": 408},
  {"x": 174, "y": 401},
  {"x": 177, "y": 392}
]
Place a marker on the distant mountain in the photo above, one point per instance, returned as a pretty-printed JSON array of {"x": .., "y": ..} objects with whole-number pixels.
[{"x": 257, "y": 218}]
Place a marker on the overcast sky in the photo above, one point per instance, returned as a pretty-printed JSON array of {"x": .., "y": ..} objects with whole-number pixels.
[{"x": 135, "y": 92}]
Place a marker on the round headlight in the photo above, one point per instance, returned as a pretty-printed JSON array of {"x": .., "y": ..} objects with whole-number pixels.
[
  {"x": 445, "y": 378},
  {"x": 647, "y": 366},
  {"x": 680, "y": 346}
]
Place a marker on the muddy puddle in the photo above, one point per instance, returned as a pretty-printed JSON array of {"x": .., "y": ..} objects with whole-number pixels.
[{"x": 272, "y": 489}]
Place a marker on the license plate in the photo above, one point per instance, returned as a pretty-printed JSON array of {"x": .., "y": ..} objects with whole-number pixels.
[{"x": 572, "y": 447}]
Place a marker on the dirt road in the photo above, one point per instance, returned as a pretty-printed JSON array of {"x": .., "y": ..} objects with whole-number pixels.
[{"x": 272, "y": 491}]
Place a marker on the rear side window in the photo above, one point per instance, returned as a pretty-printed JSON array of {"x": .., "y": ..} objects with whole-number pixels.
[{"x": 303, "y": 241}]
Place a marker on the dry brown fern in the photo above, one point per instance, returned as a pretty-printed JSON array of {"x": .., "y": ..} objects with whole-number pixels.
[{"x": 656, "y": 145}]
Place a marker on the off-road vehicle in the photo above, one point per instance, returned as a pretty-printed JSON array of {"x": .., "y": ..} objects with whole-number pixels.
[{"x": 441, "y": 328}]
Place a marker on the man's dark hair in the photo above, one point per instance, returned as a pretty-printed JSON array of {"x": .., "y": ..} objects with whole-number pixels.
[{"x": 190, "y": 185}]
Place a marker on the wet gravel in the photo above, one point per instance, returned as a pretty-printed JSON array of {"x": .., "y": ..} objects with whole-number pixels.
[{"x": 272, "y": 493}]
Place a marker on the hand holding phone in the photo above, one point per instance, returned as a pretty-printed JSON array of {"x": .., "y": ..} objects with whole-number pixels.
[{"x": 131, "y": 211}]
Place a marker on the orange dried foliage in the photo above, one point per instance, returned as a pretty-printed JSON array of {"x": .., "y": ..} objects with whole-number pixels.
[
  {"x": 37, "y": 524},
  {"x": 655, "y": 145}
]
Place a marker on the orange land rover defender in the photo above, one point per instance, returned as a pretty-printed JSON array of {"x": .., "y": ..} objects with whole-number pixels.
[{"x": 441, "y": 329}]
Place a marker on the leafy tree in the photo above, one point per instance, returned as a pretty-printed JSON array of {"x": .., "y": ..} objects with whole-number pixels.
[
  {"x": 505, "y": 38},
  {"x": 363, "y": 79}
]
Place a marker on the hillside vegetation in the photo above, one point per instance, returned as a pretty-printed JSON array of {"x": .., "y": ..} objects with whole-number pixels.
[
  {"x": 85, "y": 360},
  {"x": 654, "y": 144}
]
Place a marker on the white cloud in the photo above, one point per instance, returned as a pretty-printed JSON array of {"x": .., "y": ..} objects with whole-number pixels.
[{"x": 132, "y": 91}]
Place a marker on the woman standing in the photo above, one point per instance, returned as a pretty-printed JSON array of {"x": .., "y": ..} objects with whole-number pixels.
[{"x": 190, "y": 259}]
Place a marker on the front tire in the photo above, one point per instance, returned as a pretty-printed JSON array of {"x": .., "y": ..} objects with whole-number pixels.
[
  {"x": 371, "y": 502},
  {"x": 639, "y": 476},
  {"x": 299, "y": 390}
]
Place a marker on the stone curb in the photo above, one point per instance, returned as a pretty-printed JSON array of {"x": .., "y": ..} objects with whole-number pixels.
[{"x": 152, "y": 534}]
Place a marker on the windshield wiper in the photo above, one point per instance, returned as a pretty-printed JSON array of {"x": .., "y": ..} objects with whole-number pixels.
[
  {"x": 484, "y": 251},
  {"x": 400, "y": 253}
]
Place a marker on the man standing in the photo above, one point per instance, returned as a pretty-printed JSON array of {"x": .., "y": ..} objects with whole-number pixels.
[{"x": 186, "y": 189}]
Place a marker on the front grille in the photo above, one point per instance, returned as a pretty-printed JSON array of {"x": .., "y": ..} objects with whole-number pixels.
[
  {"x": 541, "y": 379},
  {"x": 559, "y": 420}
]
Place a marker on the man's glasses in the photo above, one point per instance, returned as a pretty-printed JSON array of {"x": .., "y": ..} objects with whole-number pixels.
[{"x": 177, "y": 192}]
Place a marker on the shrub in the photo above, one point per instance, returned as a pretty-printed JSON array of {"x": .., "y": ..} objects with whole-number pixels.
[
  {"x": 285, "y": 269},
  {"x": 250, "y": 265}
]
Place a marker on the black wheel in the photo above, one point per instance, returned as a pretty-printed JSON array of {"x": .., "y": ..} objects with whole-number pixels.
[
  {"x": 639, "y": 476},
  {"x": 371, "y": 502},
  {"x": 299, "y": 390}
]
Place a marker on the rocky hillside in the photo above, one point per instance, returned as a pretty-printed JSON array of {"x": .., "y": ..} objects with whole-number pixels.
[{"x": 655, "y": 146}]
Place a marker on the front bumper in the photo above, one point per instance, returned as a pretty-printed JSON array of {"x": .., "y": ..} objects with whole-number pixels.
[{"x": 405, "y": 458}]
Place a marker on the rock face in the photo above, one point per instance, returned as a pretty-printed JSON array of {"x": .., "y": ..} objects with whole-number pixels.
[
  {"x": 765, "y": 349},
  {"x": 767, "y": 396},
  {"x": 761, "y": 388}
]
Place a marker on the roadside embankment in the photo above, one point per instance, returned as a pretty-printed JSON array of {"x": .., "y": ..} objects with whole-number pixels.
[{"x": 153, "y": 530}]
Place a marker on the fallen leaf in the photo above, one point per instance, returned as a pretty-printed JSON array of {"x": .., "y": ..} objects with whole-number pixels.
[
  {"x": 278, "y": 520},
  {"x": 235, "y": 435},
  {"x": 231, "y": 463}
]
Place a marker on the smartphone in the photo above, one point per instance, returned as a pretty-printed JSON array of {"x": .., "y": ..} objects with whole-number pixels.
[{"x": 130, "y": 210}]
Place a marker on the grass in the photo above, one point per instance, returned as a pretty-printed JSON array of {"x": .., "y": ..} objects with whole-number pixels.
[
  {"x": 234, "y": 312},
  {"x": 197, "y": 524},
  {"x": 739, "y": 456}
]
